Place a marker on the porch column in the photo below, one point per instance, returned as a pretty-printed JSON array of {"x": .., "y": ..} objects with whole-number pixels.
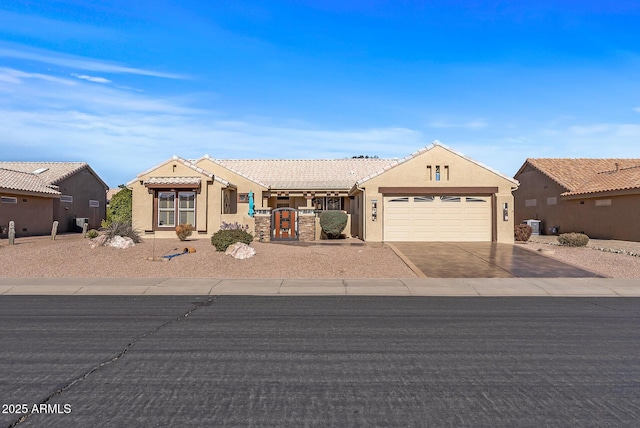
[
  {"x": 306, "y": 223},
  {"x": 263, "y": 224}
]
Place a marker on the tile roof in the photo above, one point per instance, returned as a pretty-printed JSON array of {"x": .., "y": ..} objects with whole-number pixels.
[
  {"x": 173, "y": 180},
  {"x": 25, "y": 182},
  {"x": 583, "y": 176},
  {"x": 305, "y": 174},
  {"x": 186, "y": 162},
  {"x": 51, "y": 172}
]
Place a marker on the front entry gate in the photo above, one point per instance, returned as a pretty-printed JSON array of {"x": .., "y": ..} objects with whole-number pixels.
[{"x": 284, "y": 224}]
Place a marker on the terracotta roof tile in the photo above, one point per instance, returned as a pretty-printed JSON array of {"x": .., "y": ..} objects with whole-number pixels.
[
  {"x": 582, "y": 176},
  {"x": 25, "y": 182}
]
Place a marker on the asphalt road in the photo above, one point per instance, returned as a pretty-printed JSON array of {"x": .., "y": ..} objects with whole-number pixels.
[{"x": 319, "y": 361}]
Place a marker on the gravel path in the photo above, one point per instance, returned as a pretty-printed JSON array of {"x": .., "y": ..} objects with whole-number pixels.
[{"x": 72, "y": 256}]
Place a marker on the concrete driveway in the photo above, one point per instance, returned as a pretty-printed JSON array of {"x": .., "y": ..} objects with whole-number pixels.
[{"x": 483, "y": 260}]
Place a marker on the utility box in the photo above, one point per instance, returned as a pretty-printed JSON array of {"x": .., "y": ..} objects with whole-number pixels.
[
  {"x": 535, "y": 226},
  {"x": 79, "y": 223}
]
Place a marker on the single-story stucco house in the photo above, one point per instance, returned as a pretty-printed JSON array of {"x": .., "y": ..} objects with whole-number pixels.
[
  {"x": 434, "y": 194},
  {"x": 35, "y": 194},
  {"x": 598, "y": 197}
]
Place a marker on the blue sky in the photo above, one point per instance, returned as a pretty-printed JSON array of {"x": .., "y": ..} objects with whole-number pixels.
[{"x": 124, "y": 85}]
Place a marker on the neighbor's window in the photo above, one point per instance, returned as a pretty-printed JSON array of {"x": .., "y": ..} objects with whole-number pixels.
[
  {"x": 66, "y": 198},
  {"x": 552, "y": 200},
  {"x": 166, "y": 209},
  {"x": 603, "y": 202},
  {"x": 8, "y": 200},
  {"x": 530, "y": 203},
  {"x": 93, "y": 203}
]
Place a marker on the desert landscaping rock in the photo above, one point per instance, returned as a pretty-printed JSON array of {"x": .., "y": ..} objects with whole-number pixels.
[
  {"x": 240, "y": 250},
  {"x": 72, "y": 256}
]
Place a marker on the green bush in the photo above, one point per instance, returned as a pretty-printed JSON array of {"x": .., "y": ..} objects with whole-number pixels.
[
  {"x": 125, "y": 230},
  {"x": 522, "y": 232},
  {"x": 184, "y": 231},
  {"x": 119, "y": 209},
  {"x": 573, "y": 239},
  {"x": 92, "y": 234},
  {"x": 333, "y": 223},
  {"x": 223, "y": 238}
]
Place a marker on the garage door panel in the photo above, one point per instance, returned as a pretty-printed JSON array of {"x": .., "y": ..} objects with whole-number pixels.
[{"x": 448, "y": 218}]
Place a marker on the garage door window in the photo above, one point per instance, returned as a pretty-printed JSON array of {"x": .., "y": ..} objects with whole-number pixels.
[
  {"x": 399, "y": 199},
  {"x": 424, "y": 199},
  {"x": 450, "y": 198},
  {"x": 475, "y": 200}
]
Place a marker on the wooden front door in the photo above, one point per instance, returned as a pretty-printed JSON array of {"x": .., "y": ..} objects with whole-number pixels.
[{"x": 284, "y": 224}]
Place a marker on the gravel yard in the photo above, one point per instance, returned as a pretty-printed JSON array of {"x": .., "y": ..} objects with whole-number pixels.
[
  {"x": 606, "y": 257},
  {"x": 72, "y": 256}
]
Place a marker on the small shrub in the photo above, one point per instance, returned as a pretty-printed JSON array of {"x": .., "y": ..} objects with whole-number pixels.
[
  {"x": 225, "y": 237},
  {"x": 92, "y": 234},
  {"x": 234, "y": 226},
  {"x": 573, "y": 239},
  {"x": 184, "y": 231},
  {"x": 125, "y": 230},
  {"x": 333, "y": 223},
  {"x": 522, "y": 232}
]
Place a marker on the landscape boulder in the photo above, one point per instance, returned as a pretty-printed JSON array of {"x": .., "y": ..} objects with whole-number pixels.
[
  {"x": 240, "y": 250},
  {"x": 120, "y": 242}
]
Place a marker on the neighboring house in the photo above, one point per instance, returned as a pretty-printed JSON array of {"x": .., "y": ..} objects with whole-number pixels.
[
  {"x": 435, "y": 194},
  {"x": 35, "y": 194},
  {"x": 598, "y": 197}
]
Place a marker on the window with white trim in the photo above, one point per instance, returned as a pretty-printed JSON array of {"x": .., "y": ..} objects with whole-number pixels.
[
  {"x": 177, "y": 207},
  {"x": 329, "y": 203},
  {"x": 166, "y": 209},
  {"x": 94, "y": 204},
  {"x": 8, "y": 200},
  {"x": 187, "y": 207},
  {"x": 66, "y": 199}
]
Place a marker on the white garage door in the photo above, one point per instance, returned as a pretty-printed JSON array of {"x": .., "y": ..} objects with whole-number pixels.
[{"x": 437, "y": 218}]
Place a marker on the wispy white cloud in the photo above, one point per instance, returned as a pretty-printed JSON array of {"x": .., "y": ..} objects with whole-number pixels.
[
  {"x": 91, "y": 78},
  {"x": 80, "y": 63},
  {"x": 10, "y": 75},
  {"x": 105, "y": 126}
]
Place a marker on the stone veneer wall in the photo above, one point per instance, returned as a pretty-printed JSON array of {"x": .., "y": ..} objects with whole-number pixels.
[
  {"x": 263, "y": 225},
  {"x": 307, "y": 227}
]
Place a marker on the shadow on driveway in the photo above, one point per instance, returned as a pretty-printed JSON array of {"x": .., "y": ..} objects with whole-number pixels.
[{"x": 485, "y": 260}]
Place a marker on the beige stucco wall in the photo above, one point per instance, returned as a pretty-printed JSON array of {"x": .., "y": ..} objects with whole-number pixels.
[
  {"x": 208, "y": 201},
  {"x": 414, "y": 173},
  {"x": 619, "y": 220}
]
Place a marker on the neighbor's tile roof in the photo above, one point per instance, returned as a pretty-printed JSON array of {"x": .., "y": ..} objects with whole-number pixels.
[
  {"x": 25, "y": 182},
  {"x": 54, "y": 172},
  {"x": 305, "y": 174},
  {"x": 582, "y": 176}
]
